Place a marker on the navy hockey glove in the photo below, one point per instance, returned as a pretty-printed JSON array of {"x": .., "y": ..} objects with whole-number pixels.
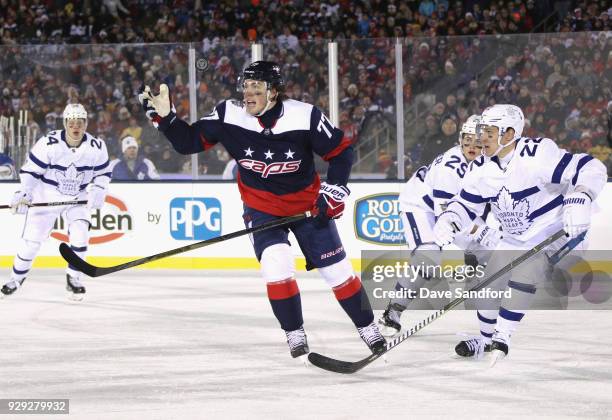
[
  {"x": 330, "y": 203},
  {"x": 157, "y": 107}
]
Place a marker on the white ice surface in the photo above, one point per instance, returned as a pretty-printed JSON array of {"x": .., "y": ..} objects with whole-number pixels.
[{"x": 185, "y": 345}]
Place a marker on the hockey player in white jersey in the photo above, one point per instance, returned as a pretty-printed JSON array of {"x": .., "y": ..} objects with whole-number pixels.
[
  {"x": 64, "y": 165},
  {"x": 422, "y": 199},
  {"x": 535, "y": 189}
]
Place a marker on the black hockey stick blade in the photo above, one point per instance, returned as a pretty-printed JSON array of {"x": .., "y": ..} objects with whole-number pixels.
[
  {"x": 340, "y": 366},
  {"x": 53, "y": 203},
  {"x": 92, "y": 271}
]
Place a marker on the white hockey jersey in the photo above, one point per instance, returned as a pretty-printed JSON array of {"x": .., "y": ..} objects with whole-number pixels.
[
  {"x": 526, "y": 193},
  {"x": 431, "y": 187},
  {"x": 55, "y": 171}
]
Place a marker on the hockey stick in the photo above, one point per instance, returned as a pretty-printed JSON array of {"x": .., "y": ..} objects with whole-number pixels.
[
  {"x": 340, "y": 366},
  {"x": 92, "y": 271},
  {"x": 565, "y": 249},
  {"x": 53, "y": 203}
]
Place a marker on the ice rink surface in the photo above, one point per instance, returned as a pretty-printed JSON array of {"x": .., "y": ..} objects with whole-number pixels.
[{"x": 182, "y": 345}]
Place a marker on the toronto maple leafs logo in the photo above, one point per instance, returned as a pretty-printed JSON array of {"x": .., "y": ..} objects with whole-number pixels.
[
  {"x": 69, "y": 180},
  {"x": 512, "y": 214}
]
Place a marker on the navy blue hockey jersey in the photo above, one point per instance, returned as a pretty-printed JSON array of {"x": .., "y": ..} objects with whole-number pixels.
[{"x": 276, "y": 171}]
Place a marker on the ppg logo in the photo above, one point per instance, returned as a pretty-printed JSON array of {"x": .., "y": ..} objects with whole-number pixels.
[{"x": 195, "y": 218}]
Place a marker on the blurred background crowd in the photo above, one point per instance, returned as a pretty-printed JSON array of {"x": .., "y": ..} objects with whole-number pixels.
[{"x": 551, "y": 58}]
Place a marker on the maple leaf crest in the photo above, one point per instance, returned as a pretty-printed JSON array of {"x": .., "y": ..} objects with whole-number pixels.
[
  {"x": 512, "y": 214},
  {"x": 69, "y": 180},
  {"x": 504, "y": 201}
]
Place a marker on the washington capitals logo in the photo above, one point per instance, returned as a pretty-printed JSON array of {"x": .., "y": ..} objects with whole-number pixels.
[
  {"x": 512, "y": 214},
  {"x": 270, "y": 168}
]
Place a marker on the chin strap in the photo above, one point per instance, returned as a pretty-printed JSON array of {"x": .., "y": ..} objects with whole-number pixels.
[
  {"x": 269, "y": 104},
  {"x": 500, "y": 146}
]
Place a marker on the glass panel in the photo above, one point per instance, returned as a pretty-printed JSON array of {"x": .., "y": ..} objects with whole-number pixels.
[
  {"x": 218, "y": 65},
  {"x": 561, "y": 82},
  {"x": 42, "y": 79},
  {"x": 367, "y": 104}
]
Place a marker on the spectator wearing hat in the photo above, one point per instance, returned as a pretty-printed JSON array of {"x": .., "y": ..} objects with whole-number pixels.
[
  {"x": 132, "y": 166},
  {"x": 444, "y": 141}
]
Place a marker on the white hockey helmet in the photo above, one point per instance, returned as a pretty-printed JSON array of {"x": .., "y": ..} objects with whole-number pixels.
[
  {"x": 74, "y": 112},
  {"x": 469, "y": 126},
  {"x": 504, "y": 117}
]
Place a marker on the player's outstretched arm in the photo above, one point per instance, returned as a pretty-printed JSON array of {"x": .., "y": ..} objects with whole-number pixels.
[{"x": 186, "y": 138}]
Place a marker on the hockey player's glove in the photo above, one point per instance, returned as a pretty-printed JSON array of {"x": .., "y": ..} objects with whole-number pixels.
[
  {"x": 576, "y": 213},
  {"x": 95, "y": 196},
  {"x": 156, "y": 107},
  {"x": 21, "y": 201},
  {"x": 330, "y": 203},
  {"x": 446, "y": 227},
  {"x": 486, "y": 236}
]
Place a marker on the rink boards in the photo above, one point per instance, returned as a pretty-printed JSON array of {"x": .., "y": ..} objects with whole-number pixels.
[{"x": 141, "y": 219}]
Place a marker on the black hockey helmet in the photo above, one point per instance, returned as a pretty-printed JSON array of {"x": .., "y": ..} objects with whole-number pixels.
[{"x": 266, "y": 71}]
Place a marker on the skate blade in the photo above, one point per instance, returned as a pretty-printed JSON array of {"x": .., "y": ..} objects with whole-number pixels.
[
  {"x": 387, "y": 332},
  {"x": 496, "y": 355},
  {"x": 303, "y": 360},
  {"x": 75, "y": 297}
]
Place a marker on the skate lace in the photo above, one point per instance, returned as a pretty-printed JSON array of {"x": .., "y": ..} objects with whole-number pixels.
[
  {"x": 475, "y": 344},
  {"x": 370, "y": 334},
  {"x": 296, "y": 338},
  {"x": 75, "y": 282},
  {"x": 13, "y": 284}
]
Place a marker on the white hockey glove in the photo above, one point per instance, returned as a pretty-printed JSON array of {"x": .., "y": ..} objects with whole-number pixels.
[
  {"x": 95, "y": 196},
  {"x": 448, "y": 224},
  {"x": 576, "y": 213},
  {"x": 21, "y": 201},
  {"x": 486, "y": 236},
  {"x": 156, "y": 107}
]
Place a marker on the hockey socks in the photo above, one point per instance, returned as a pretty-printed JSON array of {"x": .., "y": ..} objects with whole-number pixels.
[
  {"x": 286, "y": 303},
  {"x": 354, "y": 301},
  {"x": 487, "y": 320}
]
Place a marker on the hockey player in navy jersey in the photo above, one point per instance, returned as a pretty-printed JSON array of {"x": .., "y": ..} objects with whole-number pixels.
[
  {"x": 273, "y": 139},
  {"x": 64, "y": 165},
  {"x": 534, "y": 189}
]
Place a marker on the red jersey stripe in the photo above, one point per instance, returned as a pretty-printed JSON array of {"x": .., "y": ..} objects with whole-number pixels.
[
  {"x": 346, "y": 142},
  {"x": 280, "y": 205}
]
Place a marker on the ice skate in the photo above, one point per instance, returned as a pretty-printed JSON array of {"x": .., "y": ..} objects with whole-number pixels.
[
  {"x": 499, "y": 347},
  {"x": 75, "y": 288},
  {"x": 390, "y": 320},
  {"x": 472, "y": 347},
  {"x": 371, "y": 335},
  {"x": 298, "y": 345},
  {"x": 10, "y": 287}
]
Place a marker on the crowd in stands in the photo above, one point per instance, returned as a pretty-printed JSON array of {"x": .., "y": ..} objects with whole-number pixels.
[{"x": 561, "y": 79}]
